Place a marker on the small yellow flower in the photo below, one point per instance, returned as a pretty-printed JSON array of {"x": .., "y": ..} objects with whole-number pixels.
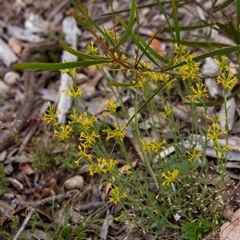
[
  {"x": 112, "y": 107},
  {"x": 86, "y": 121},
  {"x": 169, "y": 84},
  {"x": 88, "y": 138},
  {"x": 117, "y": 195},
  {"x": 167, "y": 111},
  {"x": 67, "y": 92},
  {"x": 123, "y": 56},
  {"x": 170, "y": 177},
  {"x": 82, "y": 154},
  {"x": 70, "y": 71},
  {"x": 71, "y": 92},
  {"x": 223, "y": 65},
  {"x": 103, "y": 166},
  {"x": 51, "y": 116},
  {"x": 193, "y": 155},
  {"x": 75, "y": 92},
  {"x": 118, "y": 133},
  {"x": 153, "y": 145},
  {"x": 214, "y": 132},
  {"x": 91, "y": 49},
  {"x": 227, "y": 80},
  {"x": 199, "y": 92},
  {"x": 64, "y": 132},
  {"x": 215, "y": 119},
  {"x": 190, "y": 70},
  {"x": 121, "y": 217},
  {"x": 74, "y": 117},
  {"x": 223, "y": 149},
  {"x": 113, "y": 35}
]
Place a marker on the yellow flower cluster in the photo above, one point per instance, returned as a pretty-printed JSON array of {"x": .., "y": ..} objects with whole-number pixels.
[
  {"x": 112, "y": 106},
  {"x": 50, "y": 117},
  {"x": 214, "y": 132},
  {"x": 170, "y": 177},
  {"x": 193, "y": 155},
  {"x": 117, "y": 195},
  {"x": 118, "y": 132},
  {"x": 225, "y": 78},
  {"x": 198, "y": 92},
  {"x": 71, "y": 92},
  {"x": 167, "y": 111},
  {"x": 83, "y": 119},
  {"x": 153, "y": 145},
  {"x": 91, "y": 49},
  {"x": 63, "y": 132},
  {"x": 102, "y": 166}
]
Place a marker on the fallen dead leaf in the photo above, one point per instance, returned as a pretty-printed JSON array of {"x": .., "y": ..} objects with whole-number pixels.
[
  {"x": 230, "y": 230},
  {"x": 16, "y": 45},
  {"x": 156, "y": 44}
]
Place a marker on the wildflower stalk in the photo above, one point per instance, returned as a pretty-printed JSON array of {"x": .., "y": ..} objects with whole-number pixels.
[{"x": 142, "y": 150}]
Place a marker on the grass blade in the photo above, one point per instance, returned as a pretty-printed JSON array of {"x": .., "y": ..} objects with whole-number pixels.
[
  {"x": 175, "y": 20},
  {"x": 195, "y": 43},
  {"x": 235, "y": 33},
  {"x": 224, "y": 5},
  {"x": 130, "y": 26},
  {"x": 58, "y": 66}
]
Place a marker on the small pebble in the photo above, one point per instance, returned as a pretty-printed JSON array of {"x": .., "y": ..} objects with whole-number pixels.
[
  {"x": 11, "y": 77},
  {"x": 81, "y": 78},
  {"x": 15, "y": 183},
  {"x": 74, "y": 182},
  {"x": 3, "y": 155}
]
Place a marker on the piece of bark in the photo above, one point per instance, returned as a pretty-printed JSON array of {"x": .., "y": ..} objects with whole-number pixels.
[
  {"x": 72, "y": 32},
  {"x": 7, "y": 55}
]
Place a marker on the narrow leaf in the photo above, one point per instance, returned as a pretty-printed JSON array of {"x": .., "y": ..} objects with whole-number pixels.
[
  {"x": 130, "y": 26},
  {"x": 58, "y": 66},
  {"x": 235, "y": 33},
  {"x": 175, "y": 20},
  {"x": 116, "y": 84},
  {"x": 194, "y": 43},
  {"x": 223, "y": 5}
]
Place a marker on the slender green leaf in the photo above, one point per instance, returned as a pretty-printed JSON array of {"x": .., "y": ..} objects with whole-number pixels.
[
  {"x": 163, "y": 11},
  {"x": 222, "y": 51},
  {"x": 225, "y": 4},
  {"x": 224, "y": 29},
  {"x": 186, "y": 28},
  {"x": 196, "y": 44},
  {"x": 80, "y": 9},
  {"x": 175, "y": 20},
  {"x": 130, "y": 26},
  {"x": 58, "y": 66},
  {"x": 234, "y": 31},
  {"x": 116, "y": 84}
]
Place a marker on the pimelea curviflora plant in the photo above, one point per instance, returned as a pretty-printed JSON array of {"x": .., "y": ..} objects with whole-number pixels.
[{"x": 159, "y": 192}]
